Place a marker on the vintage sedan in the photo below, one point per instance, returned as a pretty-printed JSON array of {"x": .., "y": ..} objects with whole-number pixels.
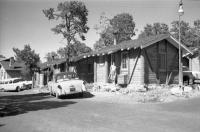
[
  {"x": 14, "y": 84},
  {"x": 66, "y": 83}
]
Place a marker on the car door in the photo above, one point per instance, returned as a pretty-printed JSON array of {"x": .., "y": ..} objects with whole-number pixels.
[{"x": 9, "y": 85}]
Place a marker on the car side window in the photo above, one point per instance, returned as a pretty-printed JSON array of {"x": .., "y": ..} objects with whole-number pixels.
[{"x": 15, "y": 81}]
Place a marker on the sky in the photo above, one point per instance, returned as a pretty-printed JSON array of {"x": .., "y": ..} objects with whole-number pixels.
[{"x": 22, "y": 21}]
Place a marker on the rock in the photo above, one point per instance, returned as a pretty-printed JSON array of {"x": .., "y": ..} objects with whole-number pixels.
[
  {"x": 196, "y": 87},
  {"x": 152, "y": 86},
  {"x": 137, "y": 87},
  {"x": 187, "y": 89},
  {"x": 162, "y": 100},
  {"x": 176, "y": 91},
  {"x": 113, "y": 88}
]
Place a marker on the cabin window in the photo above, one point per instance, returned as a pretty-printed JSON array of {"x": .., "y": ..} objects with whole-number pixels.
[
  {"x": 90, "y": 68},
  {"x": 124, "y": 57},
  {"x": 112, "y": 58},
  {"x": 101, "y": 60}
]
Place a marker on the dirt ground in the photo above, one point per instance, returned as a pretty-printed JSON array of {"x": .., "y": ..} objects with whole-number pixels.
[{"x": 36, "y": 111}]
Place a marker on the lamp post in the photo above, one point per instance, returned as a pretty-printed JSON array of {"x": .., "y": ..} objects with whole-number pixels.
[{"x": 180, "y": 13}]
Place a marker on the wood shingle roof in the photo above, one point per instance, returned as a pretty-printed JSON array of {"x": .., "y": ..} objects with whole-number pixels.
[{"x": 137, "y": 43}]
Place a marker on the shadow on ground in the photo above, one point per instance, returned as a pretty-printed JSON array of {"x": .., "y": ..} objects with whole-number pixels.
[
  {"x": 78, "y": 96},
  {"x": 19, "y": 104},
  {"x": 2, "y": 125}
]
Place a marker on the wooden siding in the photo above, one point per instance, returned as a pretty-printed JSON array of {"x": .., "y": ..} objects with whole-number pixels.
[
  {"x": 153, "y": 71},
  {"x": 101, "y": 69},
  {"x": 145, "y": 66},
  {"x": 13, "y": 74},
  {"x": 151, "y": 64},
  {"x": 172, "y": 63},
  {"x": 137, "y": 66},
  {"x": 195, "y": 64},
  {"x": 85, "y": 69},
  {"x": 9, "y": 74}
]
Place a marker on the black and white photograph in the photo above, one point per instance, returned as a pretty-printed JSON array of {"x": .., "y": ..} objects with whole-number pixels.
[{"x": 99, "y": 65}]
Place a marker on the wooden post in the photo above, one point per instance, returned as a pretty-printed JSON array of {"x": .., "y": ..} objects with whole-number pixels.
[
  {"x": 33, "y": 80},
  {"x": 95, "y": 69},
  {"x": 142, "y": 70},
  {"x": 106, "y": 69},
  {"x": 190, "y": 64}
]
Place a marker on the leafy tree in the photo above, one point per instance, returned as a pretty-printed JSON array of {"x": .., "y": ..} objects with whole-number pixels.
[
  {"x": 99, "y": 44},
  {"x": 106, "y": 39},
  {"x": 154, "y": 29},
  {"x": 50, "y": 56},
  {"x": 120, "y": 27},
  {"x": 195, "y": 31},
  {"x": 72, "y": 17},
  {"x": 104, "y": 23},
  {"x": 185, "y": 30},
  {"x": 81, "y": 48},
  {"x": 29, "y": 57},
  {"x": 123, "y": 25},
  {"x": 196, "y": 28},
  {"x": 197, "y": 25},
  {"x": 74, "y": 50}
]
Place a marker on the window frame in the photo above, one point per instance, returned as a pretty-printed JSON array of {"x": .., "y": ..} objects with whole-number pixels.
[{"x": 122, "y": 62}]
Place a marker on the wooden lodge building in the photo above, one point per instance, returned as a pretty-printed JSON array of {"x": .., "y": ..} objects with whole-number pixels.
[{"x": 142, "y": 61}]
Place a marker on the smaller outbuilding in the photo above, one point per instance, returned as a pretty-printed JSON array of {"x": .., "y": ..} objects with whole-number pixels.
[{"x": 9, "y": 68}]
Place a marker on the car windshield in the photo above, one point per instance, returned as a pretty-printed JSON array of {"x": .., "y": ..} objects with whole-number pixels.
[
  {"x": 17, "y": 80},
  {"x": 66, "y": 76}
]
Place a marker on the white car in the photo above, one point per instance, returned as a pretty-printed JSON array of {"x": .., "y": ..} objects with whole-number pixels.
[
  {"x": 14, "y": 84},
  {"x": 66, "y": 83}
]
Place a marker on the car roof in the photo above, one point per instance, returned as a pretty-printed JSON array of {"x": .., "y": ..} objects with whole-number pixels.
[
  {"x": 64, "y": 73},
  {"x": 10, "y": 79}
]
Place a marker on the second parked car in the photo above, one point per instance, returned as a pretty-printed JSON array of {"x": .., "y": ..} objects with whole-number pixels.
[
  {"x": 14, "y": 84},
  {"x": 66, "y": 83}
]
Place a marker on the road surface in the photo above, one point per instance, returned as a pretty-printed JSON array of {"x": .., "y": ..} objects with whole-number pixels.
[{"x": 43, "y": 113}]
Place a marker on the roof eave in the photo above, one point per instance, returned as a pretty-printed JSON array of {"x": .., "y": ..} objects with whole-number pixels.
[{"x": 183, "y": 46}]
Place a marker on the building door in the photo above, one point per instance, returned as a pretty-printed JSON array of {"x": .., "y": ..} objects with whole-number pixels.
[{"x": 124, "y": 63}]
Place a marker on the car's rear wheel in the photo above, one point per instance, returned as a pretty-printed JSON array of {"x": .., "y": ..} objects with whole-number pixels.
[
  {"x": 18, "y": 89},
  {"x": 81, "y": 94}
]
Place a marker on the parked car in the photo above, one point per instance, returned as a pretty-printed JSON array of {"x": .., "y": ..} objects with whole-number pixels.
[
  {"x": 66, "y": 83},
  {"x": 14, "y": 84},
  {"x": 190, "y": 77},
  {"x": 27, "y": 84}
]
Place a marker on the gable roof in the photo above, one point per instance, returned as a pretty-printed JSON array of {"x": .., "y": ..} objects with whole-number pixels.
[
  {"x": 137, "y": 43},
  {"x": 54, "y": 62},
  {"x": 125, "y": 45},
  {"x": 16, "y": 66}
]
